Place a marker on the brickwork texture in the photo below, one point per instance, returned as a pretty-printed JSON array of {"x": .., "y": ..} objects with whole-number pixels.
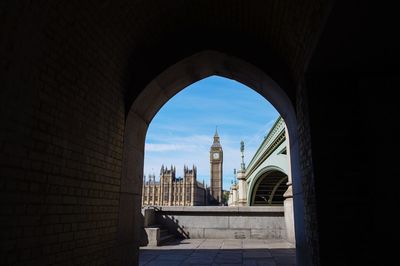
[{"x": 70, "y": 71}]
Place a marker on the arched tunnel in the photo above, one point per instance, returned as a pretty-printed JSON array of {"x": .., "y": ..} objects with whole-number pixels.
[{"x": 74, "y": 111}]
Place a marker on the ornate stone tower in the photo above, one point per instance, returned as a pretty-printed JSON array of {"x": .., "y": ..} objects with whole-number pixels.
[
  {"x": 216, "y": 159},
  {"x": 167, "y": 179},
  {"x": 190, "y": 179}
]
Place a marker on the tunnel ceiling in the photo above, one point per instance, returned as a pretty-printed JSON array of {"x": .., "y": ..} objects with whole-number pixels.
[
  {"x": 143, "y": 38},
  {"x": 277, "y": 36}
]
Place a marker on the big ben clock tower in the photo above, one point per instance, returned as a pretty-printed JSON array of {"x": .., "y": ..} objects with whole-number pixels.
[{"x": 216, "y": 159}]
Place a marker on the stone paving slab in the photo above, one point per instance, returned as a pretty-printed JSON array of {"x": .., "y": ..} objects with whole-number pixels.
[
  {"x": 218, "y": 252},
  {"x": 259, "y": 253}
]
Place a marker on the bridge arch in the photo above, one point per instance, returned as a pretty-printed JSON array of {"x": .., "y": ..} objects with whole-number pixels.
[
  {"x": 175, "y": 79},
  {"x": 261, "y": 175}
]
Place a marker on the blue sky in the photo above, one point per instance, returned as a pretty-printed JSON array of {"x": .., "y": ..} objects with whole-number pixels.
[{"x": 182, "y": 132}]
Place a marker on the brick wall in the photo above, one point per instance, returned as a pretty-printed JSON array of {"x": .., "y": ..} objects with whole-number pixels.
[
  {"x": 306, "y": 166},
  {"x": 62, "y": 114},
  {"x": 351, "y": 108}
]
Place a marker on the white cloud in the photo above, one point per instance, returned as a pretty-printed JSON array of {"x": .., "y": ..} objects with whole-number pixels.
[{"x": 152, "y": 147}]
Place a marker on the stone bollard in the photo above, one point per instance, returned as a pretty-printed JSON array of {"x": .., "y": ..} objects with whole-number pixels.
[{"x": 153, "y": 236}]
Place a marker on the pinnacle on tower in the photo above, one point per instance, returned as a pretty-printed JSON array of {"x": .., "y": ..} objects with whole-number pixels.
[
  {"x": 216, "y": 137},
  {"x": 216, "y": 143}
]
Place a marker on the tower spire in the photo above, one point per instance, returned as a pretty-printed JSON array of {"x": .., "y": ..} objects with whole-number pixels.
[{"x": 216, "y": 138}]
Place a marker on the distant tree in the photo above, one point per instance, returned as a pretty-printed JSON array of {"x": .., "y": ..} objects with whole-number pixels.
[{"x": 225, "y": 197}]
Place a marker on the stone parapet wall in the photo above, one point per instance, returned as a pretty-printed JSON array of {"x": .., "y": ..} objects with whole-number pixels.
[{"x": 224, "y": 222}]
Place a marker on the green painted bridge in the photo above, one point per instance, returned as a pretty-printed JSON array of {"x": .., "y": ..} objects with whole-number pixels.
[
  {"x": 268, "y": 171},
  {"x": 267, "y": 179}
]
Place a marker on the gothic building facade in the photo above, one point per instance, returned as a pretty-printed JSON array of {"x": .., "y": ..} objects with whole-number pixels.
[
  {"x": 186, "y": 191},
  {"x": 174, "y": 191}
]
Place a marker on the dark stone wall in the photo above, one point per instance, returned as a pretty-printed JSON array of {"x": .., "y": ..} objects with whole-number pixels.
[
  {"x": 62, "y": 124},
  {"x": 341, "y": 162},
  {"x": 307, "y": 172},
  {"x": 351, "y": 105},
  {"x": 352, "y": 132}
]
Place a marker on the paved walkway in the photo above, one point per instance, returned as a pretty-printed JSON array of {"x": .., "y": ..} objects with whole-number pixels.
[{"x": 220, "y": 252}]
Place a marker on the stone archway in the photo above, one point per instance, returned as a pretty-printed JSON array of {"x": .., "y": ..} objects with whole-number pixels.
[{"x": 156, "y": 94}]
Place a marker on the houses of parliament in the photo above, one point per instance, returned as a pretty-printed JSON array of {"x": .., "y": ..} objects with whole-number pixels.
[{"x": 186, "y": 191}]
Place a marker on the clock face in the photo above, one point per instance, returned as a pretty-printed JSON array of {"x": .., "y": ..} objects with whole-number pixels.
[{"x": 215, "y": 155}]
